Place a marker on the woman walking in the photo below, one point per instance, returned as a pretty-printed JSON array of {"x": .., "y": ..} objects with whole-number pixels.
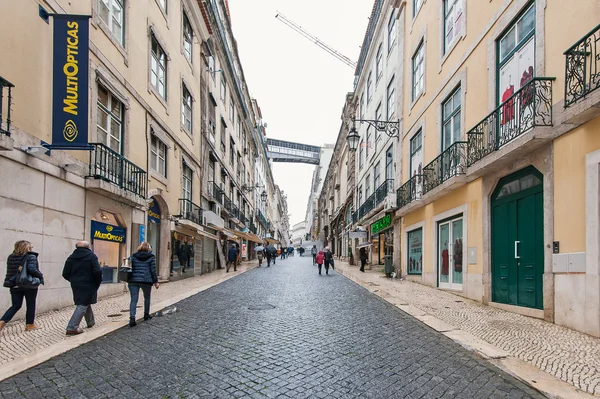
[
  {"x": 320, "y": 258},
  {"x": 143, "y": 276},
  {"x": 22, "y": 256}
]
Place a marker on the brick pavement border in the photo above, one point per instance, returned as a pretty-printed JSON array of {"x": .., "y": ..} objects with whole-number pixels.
[
  {"x": 65, "y": 344},
  {"x": 540, "y": 380}
]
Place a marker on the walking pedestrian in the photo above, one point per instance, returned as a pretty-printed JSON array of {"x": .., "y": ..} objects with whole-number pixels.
[
  {"x": 22, "y": 256},
  {"x": 363, "y": 259},
  {"x": 187, "y": 252},
  {"x": 83, "y": 271},
  {"x": 269, "y": 257},
  {"x": 328, "y": 259},
  {"x": 143, "y": 276},
  {"x": 259, "y": 256},
  {"x": 320, "y": 258},
  {"x": 232, "y": 256},
  {"x": 313, "y": 251}
]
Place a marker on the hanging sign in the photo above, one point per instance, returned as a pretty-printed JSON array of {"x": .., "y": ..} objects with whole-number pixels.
[
  {"x": 70, "y": 82},
  {"x": 154, "y": 212},
  {"x": 381, "y": 224},
  {"x": 142, "y": 233},
  {"x": 108, "y": 232}
]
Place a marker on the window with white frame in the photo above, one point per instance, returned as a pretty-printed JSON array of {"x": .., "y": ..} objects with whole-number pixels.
[
  {"x": 188, "y": 34},
  {"x": 223, "y": 88},
  {"x": 360, "y": 154},
  {"x": 451, "y": 111},
  {"x": 378, "y": 117},
  {"x": 417, "y": 6},
  {"x": 389, "y": 164},
  {"x": 376, "y": 175},
  {"x": 391, "y": 99},
  {"x": 453, "y": 22},
  {"x": 158, "y": 155},
  {"x": 211, "y": 67},
  {"x": 239, "y": 130},
  {"x": 163, "y": 5},
  {"x": 231, "y": 110},
  {"x": 112, "y": 13},
  {"x": 186, "y": 108},
  {"x": 392, "y": 30},
  {"x": 110, "y": 120},
  {"x": 369, "y": 87},
  {"x": 186, "y": 187},
  {"x": 368, "y": 143},
  {"x": 362, "y": 106},
  {"x": 158, "y": 68},
  {"x": 360, "y": 195},
  {"x": 367, "y": 186},
  {"x": 379, "y": 63},
  {"x": 418, "y": 71}
]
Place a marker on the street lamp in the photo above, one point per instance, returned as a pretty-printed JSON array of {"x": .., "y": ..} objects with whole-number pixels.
[
  {"x": 391, "y": 128},
  {"x": 263, "y": 196}
]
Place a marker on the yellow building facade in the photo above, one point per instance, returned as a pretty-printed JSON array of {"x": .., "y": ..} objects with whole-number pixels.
[{"x": 498, "y": 195}]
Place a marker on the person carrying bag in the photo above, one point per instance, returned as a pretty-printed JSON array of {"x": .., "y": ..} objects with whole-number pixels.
[{"x": 23, "y": 277}]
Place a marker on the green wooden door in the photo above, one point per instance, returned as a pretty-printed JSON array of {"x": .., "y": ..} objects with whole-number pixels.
[{"x": 517, "y": 240}]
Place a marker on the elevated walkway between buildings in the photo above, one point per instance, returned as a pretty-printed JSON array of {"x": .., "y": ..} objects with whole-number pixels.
[{"x": 286, "y": 151}]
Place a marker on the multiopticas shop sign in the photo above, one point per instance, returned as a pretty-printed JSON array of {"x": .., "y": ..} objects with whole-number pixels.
[
  {"x": 381, "y": 224},
  {"x": 108, "y": 232}
]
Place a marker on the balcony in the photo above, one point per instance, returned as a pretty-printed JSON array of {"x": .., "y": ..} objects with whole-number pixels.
[
  {"x": 252, "y": 228},
  {"x": 112, "y": 172},
  {"x": 374, "y": 199},
  {"x": 410, "y": 191},
  {"x": 529, "y": 107},
  {"x": 262, "y": 219},
  {"x": 582, "y": 67},
  {"x": 227, "y": 204},
  {"x": 217, "y": 193},
  {"x": 190, "y": 211},
  {"x": 450, "y": 163},
  {"x": 6, "y": 143}
]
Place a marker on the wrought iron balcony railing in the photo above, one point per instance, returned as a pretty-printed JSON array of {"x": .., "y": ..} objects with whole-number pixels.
[
  {"x": 383, "y": 190},
  {"x": 355, "y": 217},
  {"x": 262, "y": 219},
  {"x": 529, "y": 107},
  {"x": 227, "y": 203},
  {"x": 410, "y": 191},
  {"x": 5, "y": 124},
  {"x": 190, "y": 211},
  {"x": 582, "y": 67},
  {"x": 235, "y": 211},
  {"x": 252, "y": 227},
  {"x": 452, "y": 162},
  {"x": 218, "y": 193},
  {"x": 110, "y": 166}
]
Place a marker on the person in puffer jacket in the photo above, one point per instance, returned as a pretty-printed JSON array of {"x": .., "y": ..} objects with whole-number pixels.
[
  {"x": 22, "y": 254},
  {"x": 143, "y": 276}
]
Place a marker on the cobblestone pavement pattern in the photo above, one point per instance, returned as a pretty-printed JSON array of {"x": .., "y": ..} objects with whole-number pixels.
[
  {"x": 15, "y": 343},
  {"x": 326, "y": 337},
  {"x": 564, "y": 353}
]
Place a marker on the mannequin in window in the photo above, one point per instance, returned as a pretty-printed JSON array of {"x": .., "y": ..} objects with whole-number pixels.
[
  {"x": 508, "y": 109},
  {"x": 445, "y": 263}
]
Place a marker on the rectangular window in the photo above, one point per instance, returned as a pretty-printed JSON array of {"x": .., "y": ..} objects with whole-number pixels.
[
  {"x": 360, "y": 154},
  {"x": 188, "y": 33},
  {"x": 110, "y": 120},
  {"x": 452, "y": 22},
  {"x": 416, "y": 164},
  {"x": 451, "y": 119},
  {"x": 360, "y": 195},
  {"x": 158, "y": 156},
  {"x": 367, "y": 187},
  {"x": 450, "y": 253},
  {"x": 112, "y": 13},
  {"x": 223, "y": 88},
  {"x": 163, "y": 5},
  {"x": 211, "y": 67},
  {"x": 417, "y": 6},
  {"x": 362, "y": 106},
  {"x": 379, "y": 63},
  {"x": 239, "y": 131},
  {"x": 389, "y": 164},
  {"x": 186, "y": 188},
  {"x": 369, "y": 87},
  {"x": 186, "y": 108},
  {"x": 231, "y": 110},
  {"x": 376, "y": 175},
  {"x": 158, "y": 67},
  {"x": 391, "y": 99},
  {"x": 368, "y": 143},
  {"x": 418, "y": 72},
  {"x": 414, "y": 263},
  {"x": 223, "y": 136},
  {"x": 392, "y": 31},
  {"x": 231, "y": 152},
  {"x": 516, "y": 63}
]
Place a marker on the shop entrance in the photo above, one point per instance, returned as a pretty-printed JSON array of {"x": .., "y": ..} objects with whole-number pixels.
[
  {"x": 108, "y": 239},
  {"x": 154, "y": 216},
  {"x": 518, "y": 240}
]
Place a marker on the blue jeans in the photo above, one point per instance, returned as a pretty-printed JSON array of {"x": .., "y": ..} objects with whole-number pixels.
[
  {"x": 16, "y": 296},
  {"x": 134, "y": 290}
]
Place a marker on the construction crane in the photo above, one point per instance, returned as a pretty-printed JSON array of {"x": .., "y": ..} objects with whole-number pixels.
[{"x": 315, "y": 40}]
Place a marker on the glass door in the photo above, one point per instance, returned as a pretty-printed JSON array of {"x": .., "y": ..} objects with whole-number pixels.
[{"x": 450, "y": 253}]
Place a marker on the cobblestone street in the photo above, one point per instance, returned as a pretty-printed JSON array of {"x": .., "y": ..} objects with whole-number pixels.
[{"x": 281, "y": 332}]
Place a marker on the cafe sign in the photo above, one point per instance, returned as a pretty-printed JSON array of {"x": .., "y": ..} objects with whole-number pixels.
[{"x": 381, "y": 224}]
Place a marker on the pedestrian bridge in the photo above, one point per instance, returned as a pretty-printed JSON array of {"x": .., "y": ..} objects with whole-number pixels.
[{"x": 286, "y": 151}]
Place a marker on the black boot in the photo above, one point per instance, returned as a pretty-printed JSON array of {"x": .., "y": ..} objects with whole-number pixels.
[
  {"x": 132, "y": 322},
  {"x": 147, "y": 316}
]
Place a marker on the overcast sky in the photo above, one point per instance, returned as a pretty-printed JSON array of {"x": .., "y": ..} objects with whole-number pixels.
[{"x": 300, "y": 88}]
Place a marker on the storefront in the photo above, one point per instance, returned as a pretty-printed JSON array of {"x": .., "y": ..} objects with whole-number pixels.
[
  {"x": 414, "y": 252},
  {"x": 382, "y": 239},
  {"x": 154, "y": 226},
  {"x": 182, "y": 254},
  {"x": 108, "y": 239}
]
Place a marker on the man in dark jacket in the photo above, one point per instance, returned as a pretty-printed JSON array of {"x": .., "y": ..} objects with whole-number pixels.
[
  {"x": 363, "y": 259},
  {"x": 328, "y": 259},
  {"x": 83, "y": 271},
  {"x": 232, "y": 258}
]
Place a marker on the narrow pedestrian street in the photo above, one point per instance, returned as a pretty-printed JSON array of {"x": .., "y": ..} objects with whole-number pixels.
[{"x": 282, "y": 331}]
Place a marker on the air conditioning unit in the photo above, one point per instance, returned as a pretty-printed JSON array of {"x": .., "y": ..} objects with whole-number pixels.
[
  {"x": 218, "y": 209},
  {"x": 391, "y": 202}
]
